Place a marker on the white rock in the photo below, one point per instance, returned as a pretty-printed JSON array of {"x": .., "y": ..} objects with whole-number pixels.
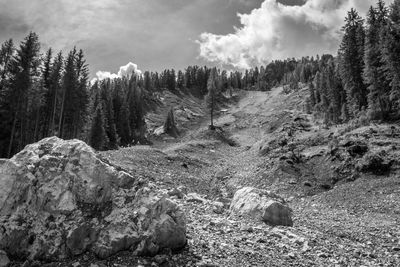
[
  {"x": 261, "y": 205},
  {"x": 68, "y": 189},
  {"x": 218, "y": 207}
]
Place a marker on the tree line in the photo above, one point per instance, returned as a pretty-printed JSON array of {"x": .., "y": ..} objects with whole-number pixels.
[
  {"x": 40, "y": 95},
  {"x": 363, "y": 80},
  {"x": 46, "y": 94}
]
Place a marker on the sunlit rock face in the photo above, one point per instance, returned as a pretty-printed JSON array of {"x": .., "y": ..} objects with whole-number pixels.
[{"x": 60, "y": 199}]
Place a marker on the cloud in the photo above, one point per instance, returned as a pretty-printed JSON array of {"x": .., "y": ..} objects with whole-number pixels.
[
  {"x": 278, "y": 31},
  {"x": 124, "y": 71}
]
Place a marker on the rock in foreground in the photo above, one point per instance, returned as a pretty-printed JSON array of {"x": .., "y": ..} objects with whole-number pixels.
[
  {"x": 59, "y": 199},
  {"x": 261, "y": 205}
]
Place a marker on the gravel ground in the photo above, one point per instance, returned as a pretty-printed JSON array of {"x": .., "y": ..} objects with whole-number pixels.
[{"x": 354, "y": 224}]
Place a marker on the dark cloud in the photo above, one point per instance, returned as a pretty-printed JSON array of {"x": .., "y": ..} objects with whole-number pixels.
[{"x": 154, "y": 34}]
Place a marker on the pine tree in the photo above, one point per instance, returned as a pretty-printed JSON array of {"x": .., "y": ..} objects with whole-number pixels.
[
  {"x": 170, "y": 124},
  {"x": 391, "y": 55},
  {"x": 123, "y": 125},
  {"x": 98, "y": 137},
  {"x": 137, "y": 113},
  {"x": 24, "y": 74},
  {"x": 211, "y": 98},
  {"x": 374, "y": 76},
  {"x": 108, "y": 111},
  {"x": 55, "y": 93},
  {"x": 311, "y": 89},
  {"x": 46, "y": 84},
  {"x": 351, "y": 61},
  {"x": 6, "y": 56},
  {"x": 69, "y": 83},
  {"x": 180, "y": 80}
]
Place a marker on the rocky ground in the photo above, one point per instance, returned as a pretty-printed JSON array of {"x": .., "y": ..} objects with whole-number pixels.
[{"x": 342, "y": 184}]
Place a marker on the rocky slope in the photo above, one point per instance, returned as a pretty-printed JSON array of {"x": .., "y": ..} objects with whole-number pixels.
[{"x": 341, "y": 184}]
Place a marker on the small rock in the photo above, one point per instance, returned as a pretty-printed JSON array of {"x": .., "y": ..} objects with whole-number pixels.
[
  {"x": 307, "y": 183},
  {"x": 396, "y": 248},
  {"x": 225, "y": 201},
  {"x": 176, "y": 193},
  {"x": 246, "y": 228},
  {"x": 160, "y": 259},
  {"x": 322, "y": 255},
  {"x": 4, "y": 260},
  {"x": 194, "y": 197},
  {"x": 218, "y": 207},
  {"x": 291, "y": 255}
]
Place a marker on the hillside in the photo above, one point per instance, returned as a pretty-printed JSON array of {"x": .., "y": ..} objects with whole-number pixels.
[
  {"x": 342, "y": 184},
  {"x": 345, "y": 215}
]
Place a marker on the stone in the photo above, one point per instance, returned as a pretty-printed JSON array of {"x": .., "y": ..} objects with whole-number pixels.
[
  {"x": 225, "y": 201},
  {"x": 196, "y": 198},
  {"x": 246, "y": 228},
  {"x": 159, "y": 131},
  {"x": 61, "y": 200},
  {"x": 218, "y": 207},
  {"x": 183, "y": 189},
  {"x": 176, "y": 192},
  {"x": 261, "y": 205},
  {"x": 222, "y": 175},
  {"x": 125, "y": 180},
  {"x": 4, "y": 260}
]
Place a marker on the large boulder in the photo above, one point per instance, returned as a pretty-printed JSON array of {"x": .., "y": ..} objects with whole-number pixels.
[
  {"x": 60, "y": 199},
  {"x": 261, "y": 205}
]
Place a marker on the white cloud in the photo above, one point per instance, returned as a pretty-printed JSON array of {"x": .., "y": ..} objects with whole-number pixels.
[
  {"x": 277, "y": 31},
  {"x": 124, "y": 71},
  {"x": 128, "y": 70}
]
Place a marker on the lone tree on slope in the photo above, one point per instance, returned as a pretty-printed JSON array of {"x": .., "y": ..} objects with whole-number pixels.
[
  {"x": 170, "y": 125},
  {"x": 212, "y": 95}
]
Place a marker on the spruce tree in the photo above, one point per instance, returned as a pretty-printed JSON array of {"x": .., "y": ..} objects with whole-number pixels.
[
  {"x": 108, "y": 111},
  {"x": 351, "y": 61},
  {"x": 374, "y": 76},
  {"x": 98, "y": 137},
  {"x": 24, "y": 73},
  {"x": 211, "y": 98},
  {"x": 6, "y": 56},
  {"x": 170, "y": 124},
  {"x": 391, "y": 55},
  {"x": 311, "y": 89}
]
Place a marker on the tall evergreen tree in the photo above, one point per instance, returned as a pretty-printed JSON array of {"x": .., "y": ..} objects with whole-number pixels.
[
  {"x": 24, "y": 75},
  {"x": 6, "y": 56},
  {"x": 374, "y": 75},
  {"x": 108, "y": 111},
  {"x": 391, "y": 55},
  {"x": 98, "y": 137},
  {"x": 351, "y": 64},
  {"x": 211, "y": 98}
]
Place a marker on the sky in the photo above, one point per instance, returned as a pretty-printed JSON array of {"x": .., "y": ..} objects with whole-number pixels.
[{"x": 158, "y": 34}]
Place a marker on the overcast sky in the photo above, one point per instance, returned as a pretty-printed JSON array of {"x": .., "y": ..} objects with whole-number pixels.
[{"x": 158, "y": 34}]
